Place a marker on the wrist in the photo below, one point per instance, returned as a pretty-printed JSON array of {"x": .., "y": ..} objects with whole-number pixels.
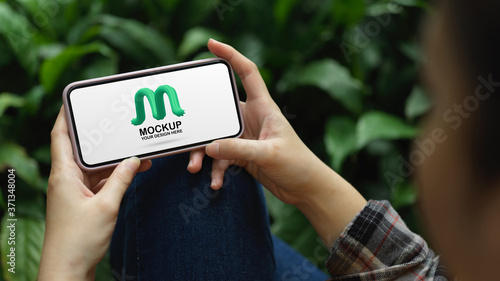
[
  {"x": 330, "y": 203},
  {"x": 58, "y": 265}
]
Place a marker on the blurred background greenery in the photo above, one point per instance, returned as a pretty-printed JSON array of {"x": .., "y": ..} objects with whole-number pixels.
[{"x": 344, "y": 72}]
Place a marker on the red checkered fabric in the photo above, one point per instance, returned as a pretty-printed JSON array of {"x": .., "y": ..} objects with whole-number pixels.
[{"x": 377, "y": 245}]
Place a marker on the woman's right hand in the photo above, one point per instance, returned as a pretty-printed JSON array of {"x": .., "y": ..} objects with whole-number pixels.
[
  {"x": 269, "y": 148},
  {"x": 273, "y": 153}
]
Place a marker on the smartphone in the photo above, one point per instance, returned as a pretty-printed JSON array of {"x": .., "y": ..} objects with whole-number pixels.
[{"x": 152, "y": 113}]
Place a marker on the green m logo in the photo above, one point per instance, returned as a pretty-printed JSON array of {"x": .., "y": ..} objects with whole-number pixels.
[{"x": 156, "y": 102}]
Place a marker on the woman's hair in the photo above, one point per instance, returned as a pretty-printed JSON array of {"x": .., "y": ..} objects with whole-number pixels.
[{"x": 474, "y": 28}]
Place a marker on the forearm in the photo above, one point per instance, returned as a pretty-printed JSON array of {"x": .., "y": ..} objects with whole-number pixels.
[{"x": 331, "y": 204}]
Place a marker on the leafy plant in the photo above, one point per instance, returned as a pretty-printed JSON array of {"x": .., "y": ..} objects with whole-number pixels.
[{"x": 344, "y": 72}]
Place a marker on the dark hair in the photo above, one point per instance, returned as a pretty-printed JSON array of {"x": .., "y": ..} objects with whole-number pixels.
[{"x": 474, "y": 28}]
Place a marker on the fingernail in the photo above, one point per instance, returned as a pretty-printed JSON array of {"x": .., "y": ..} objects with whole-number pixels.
[
  {"x": 214, "y": 40},
  {"x": 213, "y": 149},
  {"x": 132, "y": 164},
  {"x": 190, "y": 163},
  {"x": 214, "y": 184}
]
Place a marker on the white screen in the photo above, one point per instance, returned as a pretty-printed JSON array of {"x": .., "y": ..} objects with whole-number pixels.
[{"x": 103, "y": 114}]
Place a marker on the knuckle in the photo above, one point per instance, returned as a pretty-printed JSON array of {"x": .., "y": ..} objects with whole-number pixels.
[
  {"x": 104, "y": 206},
  {"x": 252, "y": 67},
  {"x": 55, "y": 133},
  {"x": 57, "y": 181},
  {"x": 250, "y": 151},
  {"x": 249, "y": 68},
  {"x": 227, "y": 147},
  {"x": 122, "y": 178},
  {"x": 271, "y": 151}
]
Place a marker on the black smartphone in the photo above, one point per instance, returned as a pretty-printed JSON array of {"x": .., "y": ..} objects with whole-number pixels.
[{"x": 152, "y": 113}]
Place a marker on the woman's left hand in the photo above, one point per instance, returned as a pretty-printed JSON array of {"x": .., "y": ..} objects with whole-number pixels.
[{"x": 82, "y": 209}]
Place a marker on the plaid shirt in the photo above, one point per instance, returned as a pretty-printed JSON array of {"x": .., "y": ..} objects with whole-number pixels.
[{"x": 377, "y": 245}]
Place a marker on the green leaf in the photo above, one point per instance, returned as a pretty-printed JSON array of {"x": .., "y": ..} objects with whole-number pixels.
[
  {"x": 104, "y": 272},
  {"x": 278, "y": 210},
  {"x": 10, "y": 100},
  {"x": 333, "y": 78},
  {"x": 52, "y": 68},
  {"x": 47, "y": 51},
  {"x": 138, "y": 41},
  {"x": 196, "y": 38},
  {"x": 376, "y": 125},
  {"x": 34, "y": 99},
  {"x": 417, "y": 103},
  {"x": 411, "y": 3},
  {"x": 14, "y": 156},
  {"x": 30, "y": 203},
  {"x": 6, "y": 56},
  {"x": 340, "y": 140},
  {"x": 99, "y": 68},
  {"x": 288, "y": 221},
  {"x": 21, "y": 35},
  {"x": 371, "y": 57},
  {"x": 43, "y": 13},
  {"x": 310, "y": 245},
  {"x": 290, "y": 227},
  {"x": 29, "y": 234},
  {"x": 348, "y": 12},
  {"x": 203, "y": 55},
  {"x": 412, "y": 50},
  {"x": 404, "y": 194},
  {"x": 42, "y": 154},
  {"x": 198, "y": 10},
  {"x": 282, "y": 9},
  {"x": 382, "y": 8},
  {"x": 252, "y": 48},
  {"x": 168, "y": 5}
]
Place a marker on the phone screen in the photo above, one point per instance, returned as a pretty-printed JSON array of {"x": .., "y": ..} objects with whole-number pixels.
[{"x": 157, "y": 112}]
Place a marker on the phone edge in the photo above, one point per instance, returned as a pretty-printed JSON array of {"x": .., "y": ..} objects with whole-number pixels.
[{"x": 71, "y": 125}]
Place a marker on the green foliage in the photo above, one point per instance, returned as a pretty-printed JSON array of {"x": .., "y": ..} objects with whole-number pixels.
[
  {"x": 375, "y": 125},
  {"x": 345, "y": 71},
  {"x": 341, "y": 87},
  {"x": 28, "y": 247},
  {"x": 417, "y": 103}
]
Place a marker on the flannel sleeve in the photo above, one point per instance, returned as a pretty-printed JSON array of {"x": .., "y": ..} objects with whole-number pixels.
[{"x": 377, "y": 245}]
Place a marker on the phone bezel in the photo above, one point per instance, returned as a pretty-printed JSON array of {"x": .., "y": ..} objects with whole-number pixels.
[{"x": 137, "y": 74}]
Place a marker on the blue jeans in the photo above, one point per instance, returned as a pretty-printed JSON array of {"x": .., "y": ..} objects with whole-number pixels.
[{"x": 173, "y": 226}]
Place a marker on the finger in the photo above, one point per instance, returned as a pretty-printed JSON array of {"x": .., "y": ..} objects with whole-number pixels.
[
  {"x": 196, "y": 160},
  {"x": 238, "y": 149},
  {"x": 145, "y": 165},
  {"x": 60, "y": 146},
  {"x": 245, "y": 68},
  {"x": 218, "y": 169},
  {"x": 99, "y": 186},
  {"x": 112, "y": 192},
  {"x": 96, "y": 177}
]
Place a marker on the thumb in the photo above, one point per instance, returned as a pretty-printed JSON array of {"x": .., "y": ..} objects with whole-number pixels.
[
  {"x": 237, "y": 149},
  {"x": 119, "y": 181}
]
